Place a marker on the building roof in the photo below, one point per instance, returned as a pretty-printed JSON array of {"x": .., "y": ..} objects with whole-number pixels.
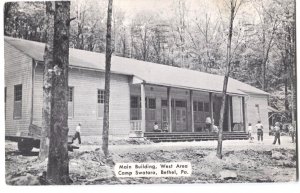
[{"x": 150, "y": 73}]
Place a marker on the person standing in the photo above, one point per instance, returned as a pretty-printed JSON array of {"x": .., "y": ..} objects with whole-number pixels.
[
  {"x": 208, "y": 124},
  {"x": 277, "y": 133},
  {"x": 250, "y": 133},
  {"x": 77, "y": 133},
  {"x": 292, "y": 132},
  {"x": 156, "y": 128},
  {"x": 260, "y": 132}
]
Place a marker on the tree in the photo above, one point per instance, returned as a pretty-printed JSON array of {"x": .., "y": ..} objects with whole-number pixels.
[
  {"x": 234, "y": 6},
  {"x": 58, "y": 160},
  {"x": 87, "y": 32},
  {"x": 47, "y": 83},
  {"x": 25, "y": 20},
  {"x": 108, "y": 54},
  {"x": 9, "y": 10}
]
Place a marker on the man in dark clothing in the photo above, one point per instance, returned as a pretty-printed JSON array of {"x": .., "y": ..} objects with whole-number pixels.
[
  {"x": 260, "y": 133},
  {"x": 292, "y": 131},
  {"x": 277, "y": 133}
]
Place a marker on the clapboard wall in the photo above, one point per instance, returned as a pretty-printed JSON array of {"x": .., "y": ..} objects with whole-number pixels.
[
  {"x": 85, "y": 84},
  {"x": 17, "y": 70},
  {"x": 257, "y": 110}
]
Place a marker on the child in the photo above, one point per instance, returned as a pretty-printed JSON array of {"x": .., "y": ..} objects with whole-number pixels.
[
  {"x": 277, "y": 133},
  {"x": 77, "y": 134},
  {"x": 250, "y": 133},
  {"x": 156, "y": 128},
  {"x": 165, "y": 127},
  {"x": 260, "y": 133}
]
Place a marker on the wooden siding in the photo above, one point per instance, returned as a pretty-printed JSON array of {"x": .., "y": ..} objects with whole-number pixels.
[
  {"x": 85, "y": 85},
  {"x": 17, "y": 70},
  {"x": 251, "y": 113}
]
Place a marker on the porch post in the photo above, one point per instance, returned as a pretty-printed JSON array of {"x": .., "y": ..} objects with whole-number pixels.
[
  {"x": 192, "y": 111},
  {"x": 229, "y": 113},
  {"x": 244, "y": 113},
  {"x": 143, "y": 108},
  {"x": 211, "y": 108},
  {"x": 169, "y": 108}
]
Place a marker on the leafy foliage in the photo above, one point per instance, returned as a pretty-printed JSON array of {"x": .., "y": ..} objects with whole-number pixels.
[{"x": 182, "y": 34}]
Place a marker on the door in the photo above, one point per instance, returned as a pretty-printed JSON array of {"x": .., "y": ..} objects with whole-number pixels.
[
  {"x": 164, "y": 118},
  {"x": 180, "y": 119}
]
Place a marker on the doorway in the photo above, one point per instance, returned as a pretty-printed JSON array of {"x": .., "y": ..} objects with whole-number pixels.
[{"x": 179, "y": 116}]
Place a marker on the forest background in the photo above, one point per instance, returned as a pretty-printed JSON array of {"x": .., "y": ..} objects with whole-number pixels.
[{"x": 183, "y": 33}]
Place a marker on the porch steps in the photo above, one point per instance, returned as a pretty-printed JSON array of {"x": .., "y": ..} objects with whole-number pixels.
[{"x": 185, "y": 136}]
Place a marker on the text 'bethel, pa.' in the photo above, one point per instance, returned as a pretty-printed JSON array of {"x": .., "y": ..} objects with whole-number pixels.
[{"x": 174, "y": 169}]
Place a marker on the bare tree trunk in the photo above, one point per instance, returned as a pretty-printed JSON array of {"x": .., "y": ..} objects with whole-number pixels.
[
  {"x": 224, "y": 95},
  {"x": 286, "y": 82},
  {"x": 293, "y": 66},
  {"x": 58, "y": 162},
  {"x": 47, "y": 83},
  {"x": 107, "y": 81}
]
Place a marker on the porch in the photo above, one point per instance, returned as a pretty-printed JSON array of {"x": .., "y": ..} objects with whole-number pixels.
[
  {"x": 182, "y": 112},
  {"x": 187, "y": 136}
]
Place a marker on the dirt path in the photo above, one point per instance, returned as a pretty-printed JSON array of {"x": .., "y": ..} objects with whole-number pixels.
[
  {"x": 251, "y": 162},
  {"x": 227, "y": 145}
]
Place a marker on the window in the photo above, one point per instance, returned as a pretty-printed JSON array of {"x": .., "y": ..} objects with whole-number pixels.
[
  {"x": 180, "y": 103},
  {"x": 5, "y": 95},
  {"x": 257, "y": 112},
  {"x": 135, "y": 108},
  {"x": 164, "y": 115},
  {"x": 134, "y": 102},
  {"x": 5, "y": 101},
  {"x": 70, "y": 101},
  {"x": 152, "y": 103},
  {"x": 200, "y": 110},
  {"x": 200, "y": 106},
  {"x": 195, "y": 106},
  {"x": 100, "y": 103},
  {"x": 178, "y": 115},
  {"x": 206, "y": 107},
  {"x": 151, "y": 109},
  {"x": 164, "y": 103},
  {"x": 100, "y": 96},
  {"x": 18, "y": 102}
]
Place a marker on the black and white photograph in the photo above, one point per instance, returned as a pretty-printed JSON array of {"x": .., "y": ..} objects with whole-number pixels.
[{"x": 139, "y": 92}]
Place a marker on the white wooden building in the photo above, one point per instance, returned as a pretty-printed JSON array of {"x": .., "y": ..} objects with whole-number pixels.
[{"x": 141, "y": 93}]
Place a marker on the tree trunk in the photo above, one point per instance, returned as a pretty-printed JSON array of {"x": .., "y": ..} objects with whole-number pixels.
[
  {"x": 58, "y": 161},
  {"x": 107, "y": 81},
  {"x": 286, "y": 82},
  {"x": 47, "y": 83},
  {"x": 224, "y": 95},
  {"x": 293, "y": 66}
]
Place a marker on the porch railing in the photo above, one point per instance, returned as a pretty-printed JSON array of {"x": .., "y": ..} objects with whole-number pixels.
[{"x": 136, "y": 125}]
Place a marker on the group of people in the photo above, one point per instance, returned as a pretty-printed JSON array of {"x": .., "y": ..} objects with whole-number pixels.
[
  {"x": 259, "y": 129},
  {"x": 276, "y": 130},
  {"x": 211, "y": 127},
  {"x": 157, "y": 129}
]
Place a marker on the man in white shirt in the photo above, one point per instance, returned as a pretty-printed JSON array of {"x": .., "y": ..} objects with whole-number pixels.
[
  {"x": 260, "y": 133},
  {"x": 208, "y": 124},
  {"x": 77, "y": 133}
]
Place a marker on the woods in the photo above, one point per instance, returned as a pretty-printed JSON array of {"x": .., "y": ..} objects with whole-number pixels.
[
  {"x": 251, "y": 41},
  {"x": 185, "y": 35}
]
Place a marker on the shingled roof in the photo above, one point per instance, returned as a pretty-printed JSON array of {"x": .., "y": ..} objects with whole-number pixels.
[{"x": 150, "y": 73}]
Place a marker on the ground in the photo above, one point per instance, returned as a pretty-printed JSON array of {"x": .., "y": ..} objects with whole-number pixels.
[{"x": 248, "y": 162}]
